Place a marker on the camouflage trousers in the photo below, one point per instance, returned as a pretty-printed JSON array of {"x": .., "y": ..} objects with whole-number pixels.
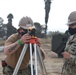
[
  {"x": 9, "y": 71},
  {"x": 69, "y": 69}
]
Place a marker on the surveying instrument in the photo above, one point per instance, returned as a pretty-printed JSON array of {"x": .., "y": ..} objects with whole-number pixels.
[{"x": 37, "y": 55}]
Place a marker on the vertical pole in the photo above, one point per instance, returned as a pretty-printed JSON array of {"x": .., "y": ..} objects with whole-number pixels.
[
  {"x": 45, "y": 30},
  {"x": 35, "y": 59},
  {"x": 20, "y": 59},
  {"x": 40, "y": 59},
  {"x": 31, "y": 59}
]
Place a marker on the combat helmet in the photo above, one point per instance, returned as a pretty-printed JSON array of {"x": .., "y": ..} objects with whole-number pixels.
[
  {"x": 72, "y": 18},
  {"x": 26, "y": 22}
]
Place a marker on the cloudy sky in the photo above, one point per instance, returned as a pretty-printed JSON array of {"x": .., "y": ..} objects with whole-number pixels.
[{"x": 59, "y": 12}]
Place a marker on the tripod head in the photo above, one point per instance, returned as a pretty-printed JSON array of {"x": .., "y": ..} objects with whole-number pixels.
[{"x": 34, "y": 40}]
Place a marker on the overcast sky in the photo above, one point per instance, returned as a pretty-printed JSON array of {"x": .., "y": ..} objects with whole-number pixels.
[{"x": 59, "y": 12}]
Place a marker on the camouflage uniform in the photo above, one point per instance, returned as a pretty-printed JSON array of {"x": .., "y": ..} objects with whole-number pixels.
[
  {"x": 7, "y": 70},
  {"x": 69, "y": 67}
]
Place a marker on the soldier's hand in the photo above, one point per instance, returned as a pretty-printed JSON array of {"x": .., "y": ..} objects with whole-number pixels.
[
  {"x": 66, "y": 55},
  {"x": 25, "y": 38}
]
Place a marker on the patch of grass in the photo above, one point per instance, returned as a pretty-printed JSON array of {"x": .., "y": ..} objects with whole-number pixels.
[{"x": 45, "y": 40}]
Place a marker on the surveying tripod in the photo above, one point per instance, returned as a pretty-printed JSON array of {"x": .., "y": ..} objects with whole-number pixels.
[{"x": 37, "y": 53}]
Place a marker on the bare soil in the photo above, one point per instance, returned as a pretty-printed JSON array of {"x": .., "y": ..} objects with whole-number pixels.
[{"x": 53, "y": 64}]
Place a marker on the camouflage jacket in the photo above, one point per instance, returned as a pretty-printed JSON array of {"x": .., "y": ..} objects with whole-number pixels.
[{"x": 71, "y": 48}]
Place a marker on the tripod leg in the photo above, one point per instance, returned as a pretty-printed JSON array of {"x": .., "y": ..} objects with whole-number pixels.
[
  {"x": 41, "y": 61},
  {"x": 36, "y": 70},
  {"x": 20, "y": 59},
  {"x": 31, "y": 59}
]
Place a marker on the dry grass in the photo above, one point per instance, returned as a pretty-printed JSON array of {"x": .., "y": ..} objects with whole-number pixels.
[{"x": 45, "y": 40}]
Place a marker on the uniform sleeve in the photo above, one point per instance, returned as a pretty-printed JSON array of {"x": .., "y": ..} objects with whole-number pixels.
[
  {"x": 73, "y": 57},
  {"x": 73, "y": 52},
  {"x": 71, "y": 48}
]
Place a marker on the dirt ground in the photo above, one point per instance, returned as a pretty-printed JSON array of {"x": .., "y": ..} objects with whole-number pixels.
[{"x": 53, "y": 64}]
